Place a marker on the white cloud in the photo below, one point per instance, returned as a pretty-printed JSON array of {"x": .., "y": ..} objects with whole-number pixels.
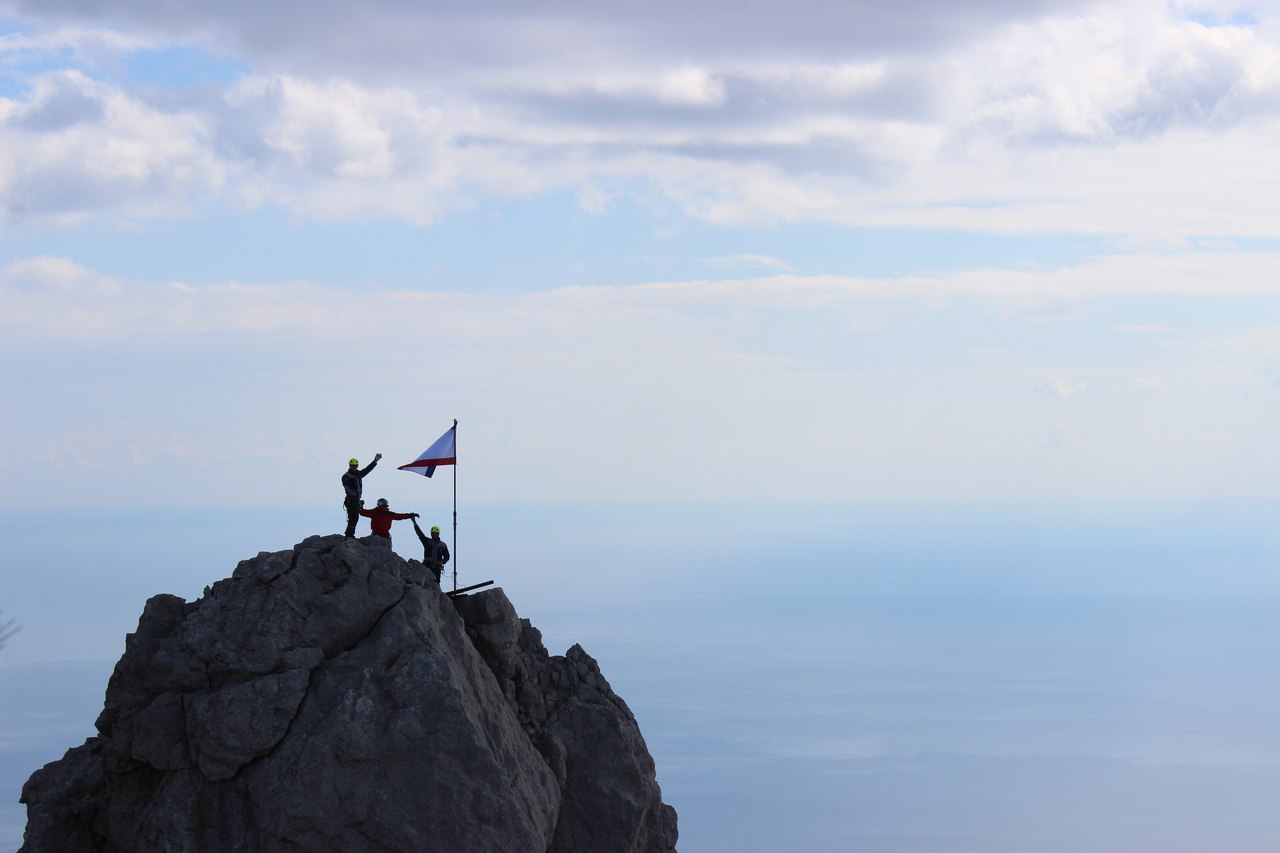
[
  {"x": 1125, "y": 118},
  {"x": 333, "y": 129},
  {"x": 56, "y": 299},
  {"x": 16, "y": 47},
  {"x": 874, "y": 383},
  {"x": 76, "y": 146},
  {"x": 837, "y": 80},
  {"x": 1125, "y": 71},
  {"x": 679, "y": 87}
]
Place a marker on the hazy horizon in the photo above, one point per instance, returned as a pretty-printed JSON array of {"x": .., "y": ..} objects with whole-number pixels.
[{"x": 831, "y": 677}]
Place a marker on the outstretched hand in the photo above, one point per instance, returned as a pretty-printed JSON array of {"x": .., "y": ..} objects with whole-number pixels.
[{"x": 377, "y": 456}]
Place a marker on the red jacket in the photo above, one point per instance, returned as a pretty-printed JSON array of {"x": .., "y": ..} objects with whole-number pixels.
[{"x": 380, "y": 519}]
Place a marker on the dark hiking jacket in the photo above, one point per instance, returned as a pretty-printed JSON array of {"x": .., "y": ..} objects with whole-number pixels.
[
  {"x": 351, "y": 482},
  {"x": 434, "y": 551}
]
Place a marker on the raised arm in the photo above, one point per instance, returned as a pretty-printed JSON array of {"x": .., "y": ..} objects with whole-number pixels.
[{"x": 371, "y": 465}]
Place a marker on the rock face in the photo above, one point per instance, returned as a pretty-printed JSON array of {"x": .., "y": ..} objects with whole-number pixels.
[{"x": 333, "y": 698}]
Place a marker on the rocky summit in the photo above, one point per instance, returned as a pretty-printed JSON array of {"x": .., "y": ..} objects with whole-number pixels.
[{"x": 332, "y": 698}]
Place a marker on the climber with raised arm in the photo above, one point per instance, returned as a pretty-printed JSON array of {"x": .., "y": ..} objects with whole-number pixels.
[
  {"x": 434, "y": 552},
  {"x": 353, "y": 486}
]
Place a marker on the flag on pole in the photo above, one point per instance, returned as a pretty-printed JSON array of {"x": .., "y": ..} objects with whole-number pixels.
[{"x": 443, "y": 452}]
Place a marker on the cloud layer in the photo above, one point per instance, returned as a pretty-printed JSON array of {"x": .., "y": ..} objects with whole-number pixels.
[
  {"x": 1071, "y": 117},
  {"x": 1145, "y": 371},
  {"x": 779, "y": 386}
]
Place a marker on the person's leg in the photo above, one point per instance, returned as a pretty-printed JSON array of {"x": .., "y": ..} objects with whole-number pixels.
[{"x": 353, "y": 515}]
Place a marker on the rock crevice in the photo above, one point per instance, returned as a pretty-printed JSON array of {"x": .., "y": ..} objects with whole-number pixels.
[{"x": 328, "y": 698}]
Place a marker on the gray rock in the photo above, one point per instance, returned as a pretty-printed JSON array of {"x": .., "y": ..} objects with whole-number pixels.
[
  {"x": 331, "y": 697},
  {"x": 610, "y": 799},
  {"x": 229, "y": 727}
]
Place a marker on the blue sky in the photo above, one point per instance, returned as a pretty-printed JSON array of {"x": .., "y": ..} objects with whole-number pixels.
[{"x": 978, "y": 250}]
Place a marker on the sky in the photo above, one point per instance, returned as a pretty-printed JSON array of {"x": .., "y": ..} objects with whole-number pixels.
[{"x": 769, "y": 251}]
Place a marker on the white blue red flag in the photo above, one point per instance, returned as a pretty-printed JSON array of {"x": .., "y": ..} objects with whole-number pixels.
[{"x": 443, "y": 452}]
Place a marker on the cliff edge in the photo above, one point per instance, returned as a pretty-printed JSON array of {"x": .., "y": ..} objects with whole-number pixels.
[{"x": 331, "y": 697}]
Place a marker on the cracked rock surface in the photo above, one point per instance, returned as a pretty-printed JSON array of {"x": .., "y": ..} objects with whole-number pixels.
[{"x": 325, "y": 699}]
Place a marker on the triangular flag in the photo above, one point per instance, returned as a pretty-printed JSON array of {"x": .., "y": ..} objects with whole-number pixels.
[{"x": 440, "y": 453}]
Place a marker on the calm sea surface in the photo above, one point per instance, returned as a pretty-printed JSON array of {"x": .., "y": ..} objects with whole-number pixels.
[{"x": 808, "y": 678}]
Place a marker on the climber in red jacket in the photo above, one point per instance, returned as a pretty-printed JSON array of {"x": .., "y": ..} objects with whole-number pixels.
[{"x": 381, "y": 516}]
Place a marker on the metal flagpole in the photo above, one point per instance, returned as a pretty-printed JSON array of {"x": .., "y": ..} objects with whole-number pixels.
[{"x": 455, "y": 504}]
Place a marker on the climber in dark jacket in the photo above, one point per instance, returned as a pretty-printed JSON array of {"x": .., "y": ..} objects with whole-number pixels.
[
  {"x": 434, "y": 552},
  {"x": 353, "y": 486},
  {"x": 381, "y": 516}
]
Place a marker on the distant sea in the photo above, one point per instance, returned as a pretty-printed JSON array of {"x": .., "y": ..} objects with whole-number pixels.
[{"x": 926, "y": 677}]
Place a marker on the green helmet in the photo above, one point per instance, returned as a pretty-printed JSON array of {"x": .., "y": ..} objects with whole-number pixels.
[
  {"x": 435, "y": 529},
  {"x": 353, "y": 461}
]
